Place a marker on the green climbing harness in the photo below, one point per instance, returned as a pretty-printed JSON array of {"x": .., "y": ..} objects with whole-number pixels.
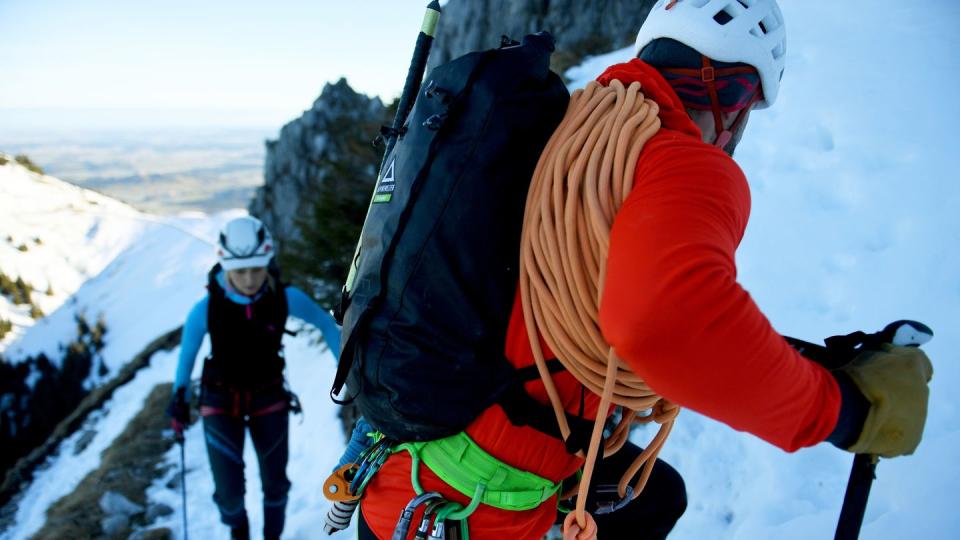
[{"x": 467, "y": 468}]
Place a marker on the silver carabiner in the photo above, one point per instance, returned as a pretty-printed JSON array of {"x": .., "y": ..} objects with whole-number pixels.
[
  {"x": 613, "y": 505},
  {"x": 406, "y": 517}
]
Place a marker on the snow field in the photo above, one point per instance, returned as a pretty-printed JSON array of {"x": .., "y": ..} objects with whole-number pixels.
[
  {"x": 70, "y": 235},
  {"x": 66, "y": 468}
]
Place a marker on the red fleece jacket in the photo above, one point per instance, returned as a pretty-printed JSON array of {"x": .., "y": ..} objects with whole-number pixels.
[{"x": 672, "y": 309}]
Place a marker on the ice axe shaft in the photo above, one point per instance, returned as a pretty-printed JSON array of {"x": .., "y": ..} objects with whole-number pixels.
[{"x": 855, "y": 499}]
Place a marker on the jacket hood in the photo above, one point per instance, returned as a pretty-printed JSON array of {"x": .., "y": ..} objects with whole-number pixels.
[{"x": 673, "y": 116}]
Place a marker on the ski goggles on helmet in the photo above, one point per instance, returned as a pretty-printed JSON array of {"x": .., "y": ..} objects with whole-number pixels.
[
  {"x": 731, "y": 89},
  {"x": 705, "y": 84},
  {"x": 700, "y": 82}
]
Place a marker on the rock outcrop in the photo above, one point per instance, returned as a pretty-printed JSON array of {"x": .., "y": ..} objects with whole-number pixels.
[
  {"x": 320, "y": 170},
  {"x": 581, "y": 28},
  {"x": 332, "y": 137}
]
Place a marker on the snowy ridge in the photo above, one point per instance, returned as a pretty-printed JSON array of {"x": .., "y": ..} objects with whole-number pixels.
[
  {"x": 101, "y": 257},
  {"x": 55, "y": 236}
]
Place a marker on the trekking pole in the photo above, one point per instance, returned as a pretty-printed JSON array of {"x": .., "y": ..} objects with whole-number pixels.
[
  {"x": 418, "y": 64},
  {"x": 183, "y": 485},
  {"x": 838, "y": 352}
]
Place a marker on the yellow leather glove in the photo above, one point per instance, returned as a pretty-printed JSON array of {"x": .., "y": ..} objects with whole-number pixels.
[{"x": 895, "y": 381}]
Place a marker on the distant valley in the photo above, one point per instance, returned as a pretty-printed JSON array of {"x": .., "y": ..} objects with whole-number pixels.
[{"x": 161, "y": 171}]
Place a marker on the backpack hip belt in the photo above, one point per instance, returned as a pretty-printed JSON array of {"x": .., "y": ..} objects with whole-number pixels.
[{"x": 469, "y": 469}]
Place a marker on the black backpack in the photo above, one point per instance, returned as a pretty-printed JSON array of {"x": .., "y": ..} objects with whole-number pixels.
[{"x": 428, "y": 302}]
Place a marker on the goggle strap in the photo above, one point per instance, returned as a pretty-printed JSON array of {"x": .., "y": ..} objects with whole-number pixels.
[
  {"x": 717, "y": 73},
  {"x": 708, "y": 76}
]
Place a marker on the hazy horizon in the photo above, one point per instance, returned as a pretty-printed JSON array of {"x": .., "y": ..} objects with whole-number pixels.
[{"x": 112, "y": 64}]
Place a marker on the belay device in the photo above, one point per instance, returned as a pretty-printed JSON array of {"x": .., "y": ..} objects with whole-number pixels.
[{"x": 430, "y": 292}]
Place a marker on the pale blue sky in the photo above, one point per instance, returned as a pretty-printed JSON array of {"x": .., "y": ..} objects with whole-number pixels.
[{"x": 207, "y": 61}]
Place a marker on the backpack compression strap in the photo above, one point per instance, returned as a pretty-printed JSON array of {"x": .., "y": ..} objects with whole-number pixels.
[{"x": 523, "y": 410}]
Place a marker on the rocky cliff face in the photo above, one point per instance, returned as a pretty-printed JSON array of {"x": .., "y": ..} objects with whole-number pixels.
[
  {"x": 321, "y": 156},
  {"x": 582, "y": 28},
  {"x": 327, "y": 141}
]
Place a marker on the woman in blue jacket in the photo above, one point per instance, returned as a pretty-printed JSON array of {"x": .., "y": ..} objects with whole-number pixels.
[{"x": 242, "y": 386}]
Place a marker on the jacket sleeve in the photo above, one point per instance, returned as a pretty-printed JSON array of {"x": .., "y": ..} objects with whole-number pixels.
[
  {"x": 303, "y": 307},
  {"x": 193, "y": 331},
  {"x": 673, "y": 310}
]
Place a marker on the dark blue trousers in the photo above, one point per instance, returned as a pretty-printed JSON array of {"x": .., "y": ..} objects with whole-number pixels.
[{"x": 225, "y": 439}]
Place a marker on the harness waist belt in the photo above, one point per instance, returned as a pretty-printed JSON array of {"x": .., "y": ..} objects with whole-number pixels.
[{"x": 466, "y": 467}]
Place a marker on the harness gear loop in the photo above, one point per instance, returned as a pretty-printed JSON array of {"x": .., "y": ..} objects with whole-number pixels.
[{"x": 583, "y": 177}]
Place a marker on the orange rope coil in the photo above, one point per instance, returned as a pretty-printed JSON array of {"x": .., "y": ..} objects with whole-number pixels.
[{"x": 583, "y": 177}]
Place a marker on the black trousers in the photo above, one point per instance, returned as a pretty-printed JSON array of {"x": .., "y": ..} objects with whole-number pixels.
[
  {"x": 651, "y": 516},
  {"x": 224, "y": 435}
]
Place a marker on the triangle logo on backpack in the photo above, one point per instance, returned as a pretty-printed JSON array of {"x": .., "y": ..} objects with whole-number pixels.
[{"x": 384, "y": 192}]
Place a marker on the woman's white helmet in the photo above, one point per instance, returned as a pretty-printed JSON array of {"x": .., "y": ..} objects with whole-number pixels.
[
  {"x": 244, "y": 242},
  {"x": 747, "y": 31}
]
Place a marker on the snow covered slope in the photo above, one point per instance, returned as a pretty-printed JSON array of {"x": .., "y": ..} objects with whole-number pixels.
[
  {"x": 55, "y": 236},
  {"x": 140, "y": 272}
]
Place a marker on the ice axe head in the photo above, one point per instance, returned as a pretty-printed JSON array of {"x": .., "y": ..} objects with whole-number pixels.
[{"x": 906, "y": 333}]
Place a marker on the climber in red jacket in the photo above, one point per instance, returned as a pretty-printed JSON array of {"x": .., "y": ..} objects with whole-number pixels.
[{"x": 672, "y": 308}]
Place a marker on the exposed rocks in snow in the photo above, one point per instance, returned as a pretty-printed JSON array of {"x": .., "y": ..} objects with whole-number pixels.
[
  {"x": 115, "y": 503},
  {"x": 161, "y": 533},
  {"x": 157, "y": 510},
  {"x": 23, "y": 471},
  {"x": 110, "y": 501},
  {"x": 84, "y": 441},
  {"x": 117, "y": 510}
]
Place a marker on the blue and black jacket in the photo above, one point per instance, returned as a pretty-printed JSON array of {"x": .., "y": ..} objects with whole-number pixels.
[{"x": 245, "y": 335}]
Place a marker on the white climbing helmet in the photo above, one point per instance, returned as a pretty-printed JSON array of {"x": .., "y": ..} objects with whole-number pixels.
[
  {"x": 747, "y": 31},
  {"x": 244, "y": 242}
]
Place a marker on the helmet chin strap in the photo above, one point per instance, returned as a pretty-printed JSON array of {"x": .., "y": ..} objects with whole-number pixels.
[{"x": 723, "y": 138}]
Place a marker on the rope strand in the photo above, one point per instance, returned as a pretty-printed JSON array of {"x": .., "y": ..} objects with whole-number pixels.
[{"x": 582, "y": 178}]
